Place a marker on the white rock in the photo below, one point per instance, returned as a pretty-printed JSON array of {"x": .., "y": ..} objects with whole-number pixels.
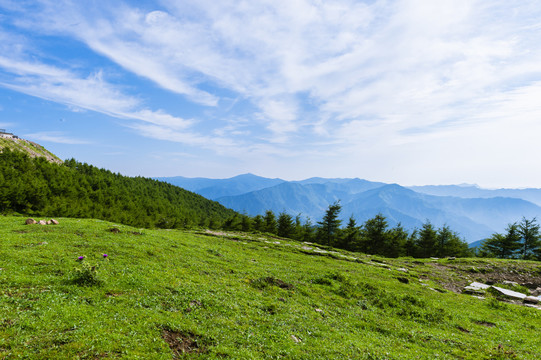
[
  {"x": 475, "y": 286},
  {"x": 532, "y": 299},
  {"x": 510, "y": 293}
]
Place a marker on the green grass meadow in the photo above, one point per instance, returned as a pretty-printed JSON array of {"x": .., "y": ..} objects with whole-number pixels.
[{"x": 168, "y": 294}]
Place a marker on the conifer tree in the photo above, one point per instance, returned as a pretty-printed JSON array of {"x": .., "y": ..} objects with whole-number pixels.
[
  {"x": 270, "y": 222},
  {"x": 427, "y": 240},
  {"x": 329, "y": 226},
  {"x": 530, "y": 237},
  {"x": 503, "y": 245},
  {"x": 286, "y": 227}
]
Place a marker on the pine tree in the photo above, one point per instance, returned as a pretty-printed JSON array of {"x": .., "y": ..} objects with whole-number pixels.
[
  {"x": 503, "y": 245},
  {"x": 531, "y": 236},
  {"x": 397, "y": 241},
  {"x": 350, "y": 236},
  {"x": 329, "y": 226},
  {"x": 270, "y": 222},
  {"x": 376, "y": 234},
  {"x": 285, "y": 228},
  {"x": 427, "y": 240}
]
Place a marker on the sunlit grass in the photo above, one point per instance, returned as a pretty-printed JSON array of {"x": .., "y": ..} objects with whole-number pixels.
[{"x": 235, "y": 297}]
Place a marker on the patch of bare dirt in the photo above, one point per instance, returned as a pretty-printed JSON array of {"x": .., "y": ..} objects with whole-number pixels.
[
  {"x": 182, "y": 343},
  {"x": 455, "y": 277},
  {"x": 485, "y": 323}
]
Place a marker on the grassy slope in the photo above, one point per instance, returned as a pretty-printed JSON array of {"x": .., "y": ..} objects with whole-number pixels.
[
  {"x": 241, "y": 298},
  {"x": 31, "y": 148}
]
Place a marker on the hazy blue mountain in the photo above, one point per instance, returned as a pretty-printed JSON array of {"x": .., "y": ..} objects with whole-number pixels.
[
  {"x": 477, "y": 244},
  {"x": 411, "y": 209},
  {"x": 473, "y": 212},
  {"x": 473, "y": 219},
  {"x": 473, "y": 191},
  {"x": 310, "y": 200},
  {"x": 215, "y": 188}
]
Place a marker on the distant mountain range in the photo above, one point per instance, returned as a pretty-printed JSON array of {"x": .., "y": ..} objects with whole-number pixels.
[{"x": 473, "y": 212}]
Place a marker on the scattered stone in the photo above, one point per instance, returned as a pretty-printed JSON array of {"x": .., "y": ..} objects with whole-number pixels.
[
  {"x": 48, "y": 222},
  {"x": 510, "y": 293},
  {"x": 279, "y": 299},
  {"x": 319, "y": 251},
  {"x": 54, "y": 222},
  {"x": 320, "y": 311},
  {"x": 475, "y": 287},
  {"x": 512, "y": 283},
  {"x": 451, "y": 258},
  {"x": 30, "y": 221},
  {"x": 402, "y": 270},
  {"x": 296, "y": 339},
  {"x": 42, "y": 222},
  {"x": 532, "y": 299},
  {"x": 306, "y": 248}
]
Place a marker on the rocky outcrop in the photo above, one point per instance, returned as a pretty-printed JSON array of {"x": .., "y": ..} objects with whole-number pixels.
[
  {"x": 31, "y": 221},
  {"x": 480, "y": 289}
]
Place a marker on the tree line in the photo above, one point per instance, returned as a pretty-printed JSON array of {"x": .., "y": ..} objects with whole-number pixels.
[
  {"x": 374, "y": 236},
  {"x": 521, "y": 240},
  {"x": 36, "y": 187}
]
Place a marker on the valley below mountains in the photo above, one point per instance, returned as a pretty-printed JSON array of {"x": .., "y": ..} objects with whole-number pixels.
[{"x": 473, "y": 212}]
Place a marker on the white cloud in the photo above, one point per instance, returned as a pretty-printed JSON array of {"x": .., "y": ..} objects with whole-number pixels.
[
  {"x": 342, "y": 76},
  {"x": 55, "y": 137},
  {"x": 90, "y": 93}
]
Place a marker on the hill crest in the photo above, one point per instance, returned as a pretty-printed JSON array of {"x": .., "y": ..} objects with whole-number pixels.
[{"x": 32, "y": 149}]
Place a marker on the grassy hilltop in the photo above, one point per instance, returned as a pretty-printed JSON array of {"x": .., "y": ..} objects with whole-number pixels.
[
  {"x": 163, "y": 294},
  {"x": 28, "y": 147}
]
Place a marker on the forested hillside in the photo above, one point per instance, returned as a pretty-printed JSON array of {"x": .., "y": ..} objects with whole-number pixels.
[{"x": 36, "y": 187}]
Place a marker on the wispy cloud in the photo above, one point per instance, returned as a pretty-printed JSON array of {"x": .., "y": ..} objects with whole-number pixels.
[
  {"x": 379, "y": 60},
  {"x": 55, "y": 137},
  {"x": 343, "y": 76}
]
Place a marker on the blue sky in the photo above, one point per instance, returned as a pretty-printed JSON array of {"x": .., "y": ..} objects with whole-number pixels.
[{"x": 408, "y": 91}]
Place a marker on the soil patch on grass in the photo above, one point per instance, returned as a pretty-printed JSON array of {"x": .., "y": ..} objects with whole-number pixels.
[
  {"x": 183, "y": 343},
  {"x": 456, "y": 277}
]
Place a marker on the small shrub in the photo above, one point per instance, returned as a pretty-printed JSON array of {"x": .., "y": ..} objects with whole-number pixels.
[{"x": 85, "y": 275}]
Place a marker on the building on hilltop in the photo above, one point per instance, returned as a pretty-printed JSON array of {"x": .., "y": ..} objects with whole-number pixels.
[{"x": 4, "y": 134}]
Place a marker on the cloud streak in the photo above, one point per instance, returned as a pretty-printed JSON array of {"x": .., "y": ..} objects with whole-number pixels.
[{"x": 344, "y": 76}]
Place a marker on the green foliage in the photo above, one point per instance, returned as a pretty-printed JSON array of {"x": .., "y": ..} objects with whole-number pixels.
[
  {"x": 329, "y": 226},
  {"x": 503, "y": 246},
  {"x": 285, "y": 227},
  {"x": 270, "y": 222},
  {"x": 85, "y": 274},
  {"x": 530, "y": 238},
  {"x": 36, "y": 187}
]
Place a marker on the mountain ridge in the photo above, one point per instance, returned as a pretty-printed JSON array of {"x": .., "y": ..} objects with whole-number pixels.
[{"x": 474, "y": 218}]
